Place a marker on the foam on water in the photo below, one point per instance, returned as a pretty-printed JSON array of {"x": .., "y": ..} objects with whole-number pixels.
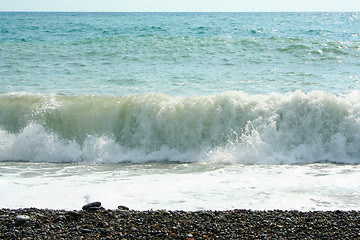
[
  {"x": 176, "y": 186},
  {"x": 231, "y": 127}
]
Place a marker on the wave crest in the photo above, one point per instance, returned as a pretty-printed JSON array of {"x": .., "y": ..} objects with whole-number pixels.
[{"x": 229, "y": 127}]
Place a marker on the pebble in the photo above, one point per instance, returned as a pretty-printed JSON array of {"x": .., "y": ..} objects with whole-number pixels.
[
  {"x": 123, "y": 208},
  {"x": 73, "y": 214},
  {"x": 93, "y": 208},
  {"x": 91, "y": 205},
  {"x": 22, "y": 218}
]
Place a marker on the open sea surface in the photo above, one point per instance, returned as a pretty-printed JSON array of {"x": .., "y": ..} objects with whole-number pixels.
[{"x": 184, "y": 111}]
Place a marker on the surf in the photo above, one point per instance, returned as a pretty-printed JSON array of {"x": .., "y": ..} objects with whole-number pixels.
[{"x": 231, "y": 127}]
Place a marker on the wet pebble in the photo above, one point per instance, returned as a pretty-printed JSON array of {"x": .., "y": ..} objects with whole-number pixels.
[
  {"x": 93, "y": 208},
  {"x": 22, "y": 218},
  {"x": 91, "y": 205},
  {"x": 72, "y": 214},
  {"x": 124, "y": 208}
]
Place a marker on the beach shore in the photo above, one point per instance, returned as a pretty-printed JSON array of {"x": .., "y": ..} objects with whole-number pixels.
[{"x": 100, "y": 223}]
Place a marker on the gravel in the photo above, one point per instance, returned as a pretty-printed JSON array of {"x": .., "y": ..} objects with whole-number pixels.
[{"x": 100, "y": 223}]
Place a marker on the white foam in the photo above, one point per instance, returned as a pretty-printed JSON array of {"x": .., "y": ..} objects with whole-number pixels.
[
  {"x": 181, "y": 186},
  {"x": 230, "y": 127}
]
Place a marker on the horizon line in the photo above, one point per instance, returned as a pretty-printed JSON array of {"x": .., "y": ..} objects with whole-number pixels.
[{"x": 52, "y": 11}]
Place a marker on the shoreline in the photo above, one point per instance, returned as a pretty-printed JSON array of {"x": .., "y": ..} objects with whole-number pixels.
[{"x": 101, "y": 223}]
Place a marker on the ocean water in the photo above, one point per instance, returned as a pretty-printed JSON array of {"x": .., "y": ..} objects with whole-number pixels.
[{"x": 180, "y": 110}]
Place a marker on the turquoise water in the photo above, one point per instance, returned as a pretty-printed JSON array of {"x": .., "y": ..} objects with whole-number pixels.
[
  {"x": 179, "y": 54},
  {"x": 189, "y": 87}
]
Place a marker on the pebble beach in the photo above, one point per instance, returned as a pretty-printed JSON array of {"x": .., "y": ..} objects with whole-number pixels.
[{"x": 96, "y": 222}]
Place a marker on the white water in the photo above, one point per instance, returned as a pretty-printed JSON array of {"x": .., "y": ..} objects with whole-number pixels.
[
  {"x": 181, "y": 186},
  {"x": 225, "y": 151},
  {"x": 230, "y": 127}
]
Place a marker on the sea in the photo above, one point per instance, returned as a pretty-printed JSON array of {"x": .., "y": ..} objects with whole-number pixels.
[{"x": 180, "y": 111}]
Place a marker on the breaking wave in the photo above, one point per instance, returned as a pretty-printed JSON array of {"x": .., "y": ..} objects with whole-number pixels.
[{"x": 231, "y": 127}]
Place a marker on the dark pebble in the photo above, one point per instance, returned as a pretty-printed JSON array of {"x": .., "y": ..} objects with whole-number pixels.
[
  {"x": 22, "y": 218},
  {"x": 93, "y": 208},
  {"x": 124, "y": 208},
  {"x": 91, "y": 205},
  {"x": 73, "y": 214}
]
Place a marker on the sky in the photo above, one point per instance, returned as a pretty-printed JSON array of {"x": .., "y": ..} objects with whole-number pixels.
[{"x": 181, "y": 5}]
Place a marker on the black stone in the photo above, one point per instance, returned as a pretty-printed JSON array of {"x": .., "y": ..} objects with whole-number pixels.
[
  {"x": 91, "y": 205},
  {"x": 72, "y": 214},
  {"x": 93, "y": 208},
  {"x": 22, "y": 218},
  {"x": 123, "y": 208}
]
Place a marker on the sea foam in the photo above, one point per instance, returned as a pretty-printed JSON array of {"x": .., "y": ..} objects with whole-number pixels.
[{"x": 231, "y": 127}]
